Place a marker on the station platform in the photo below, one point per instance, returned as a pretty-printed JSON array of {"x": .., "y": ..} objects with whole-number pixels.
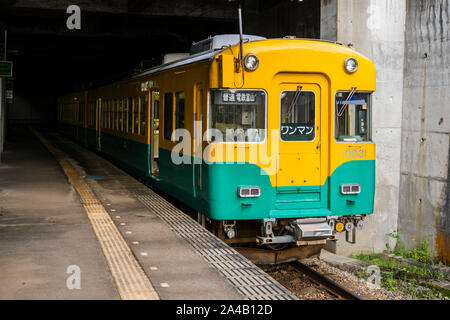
[{"x": 64, "y": 208}]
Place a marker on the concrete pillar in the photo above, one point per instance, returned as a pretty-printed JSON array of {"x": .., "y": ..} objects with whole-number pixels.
[
  {"x": 376, "y": 28},
  {"x": 328, "y": 20},
  {"x": 424, "y": 201}
]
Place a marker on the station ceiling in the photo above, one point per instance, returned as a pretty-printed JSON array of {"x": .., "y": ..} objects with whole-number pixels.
[{"x": 118, "y": 36}]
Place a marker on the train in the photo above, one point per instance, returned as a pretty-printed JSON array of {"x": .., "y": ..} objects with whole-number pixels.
[{"x": 268, "y": 141}]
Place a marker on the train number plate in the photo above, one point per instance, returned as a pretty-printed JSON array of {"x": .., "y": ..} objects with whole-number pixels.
[{"x": 354, "y": 154}]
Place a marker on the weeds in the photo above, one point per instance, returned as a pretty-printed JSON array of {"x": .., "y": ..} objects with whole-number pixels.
[
  {"x": 411, "y": 279},
  {"x": 421, "y": 254}
]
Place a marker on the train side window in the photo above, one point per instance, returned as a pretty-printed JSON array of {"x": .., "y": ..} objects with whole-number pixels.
[
  {"x": 179, "y": 110},
  {"x": 84, "y": 113},
  {"x": 108, "y": 114},
  {"x": 136, "y": 116},
  {"x": 89, "y": 114},
  {"x": 80, "y": 112},
  {"x": 119, "y": 114},
  {"x": 353, "y": 117},
  {"x": 105, "y": 107},
  {"x": 125, "y": 114},
  {"x": 130, "y": 115},
  {"x": 78, "y": 109},
  {"x": 298, "y": 116},
  {"x": 93, "y": 114},
  {"x": 168, "y": 116},
  {"x": 102, "y": 111},
  {"x": 114, "y": 116},
  {"x": 143, "y": 113},
  {"x": 111, "y": 116},
  {"x": 154, "y": 132}
]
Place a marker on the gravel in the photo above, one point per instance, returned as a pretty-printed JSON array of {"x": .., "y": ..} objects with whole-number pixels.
[{"x": 301, "y": 286}]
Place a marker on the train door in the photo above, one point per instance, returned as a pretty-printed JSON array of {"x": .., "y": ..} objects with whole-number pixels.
[
  {"x": 154, "y": 133},
  {"x": 99, "y": 124},
  {"x": 299, "y": 171},
  {"x": 197, "y": 140}
]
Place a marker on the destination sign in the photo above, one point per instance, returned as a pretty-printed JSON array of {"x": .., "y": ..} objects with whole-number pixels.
[{"x": 238, "y": 97}]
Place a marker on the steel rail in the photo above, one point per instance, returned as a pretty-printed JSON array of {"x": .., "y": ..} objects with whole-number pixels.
[{"x": 325, "y": 282}]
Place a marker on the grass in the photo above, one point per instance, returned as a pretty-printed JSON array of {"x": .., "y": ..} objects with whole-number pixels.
[
  {"x": 410, "y": 279},
  {"x": 421, "y": 254}
]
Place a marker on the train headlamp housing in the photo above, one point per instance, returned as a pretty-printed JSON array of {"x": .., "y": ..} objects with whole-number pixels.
[
  {"x": 351, "y": 65},
  {"x": 251, "y": 62},
  {"x": 249, "y": 192}
]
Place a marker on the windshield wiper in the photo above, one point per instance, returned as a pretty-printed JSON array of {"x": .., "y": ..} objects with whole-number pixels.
[
  {"x": 294, "y": 101},
  {"x": 346, "y": 103}
]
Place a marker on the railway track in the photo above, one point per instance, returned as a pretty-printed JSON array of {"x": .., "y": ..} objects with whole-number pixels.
[
  {"x": 320, "y": 280},
  {"x": 324, "y": 282}
]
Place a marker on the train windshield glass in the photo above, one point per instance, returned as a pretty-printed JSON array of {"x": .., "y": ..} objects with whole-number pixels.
[
  {"x": 353, "y": 117},
  {"x": 237, "y": 116},
  {"x": 298, "y": 116}
]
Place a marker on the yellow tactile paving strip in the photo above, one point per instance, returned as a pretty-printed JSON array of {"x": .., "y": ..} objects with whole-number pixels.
[{"x": 131, "y": 281}]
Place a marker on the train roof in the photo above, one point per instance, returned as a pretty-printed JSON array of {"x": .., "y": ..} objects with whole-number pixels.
[
  {"x": 207, "y": 49},
  {"x": 210, "y": 47},
  {"x": 203, "y": 50}
]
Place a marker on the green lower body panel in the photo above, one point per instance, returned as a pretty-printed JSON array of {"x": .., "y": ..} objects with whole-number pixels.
[
  {"x": 286, "y": 203},
  {"x": 216, "y": 195},
  {"x": 219, "y": 199}
]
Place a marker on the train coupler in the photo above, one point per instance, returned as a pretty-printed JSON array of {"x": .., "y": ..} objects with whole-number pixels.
[
  {"x": 298, "y": 230},
  {"x": 312, "y": 229}
]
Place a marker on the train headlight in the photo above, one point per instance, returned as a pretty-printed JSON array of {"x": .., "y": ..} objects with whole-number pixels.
[
  {"x": 350, "y": 189},
  {"x": 351, "y": 65},
  {"x": 251, "y": 62},
  {"x": 249, "y": 192}
]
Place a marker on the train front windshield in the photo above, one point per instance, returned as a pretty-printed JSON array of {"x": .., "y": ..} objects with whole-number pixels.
[
  {"x": 237, "y": 116},
  {"x": 353, "y": 117}
]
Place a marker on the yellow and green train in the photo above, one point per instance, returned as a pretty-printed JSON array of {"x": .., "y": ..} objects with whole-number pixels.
[{"x": 273, "y": 149}]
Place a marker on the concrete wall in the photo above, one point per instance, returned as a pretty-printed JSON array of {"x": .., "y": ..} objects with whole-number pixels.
[
  {"x": 376, "y": 29},
  {"x": 328, "y": 20},
  {"x": 274, "y": 19},
  {"x": 424, "y": 200}
]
